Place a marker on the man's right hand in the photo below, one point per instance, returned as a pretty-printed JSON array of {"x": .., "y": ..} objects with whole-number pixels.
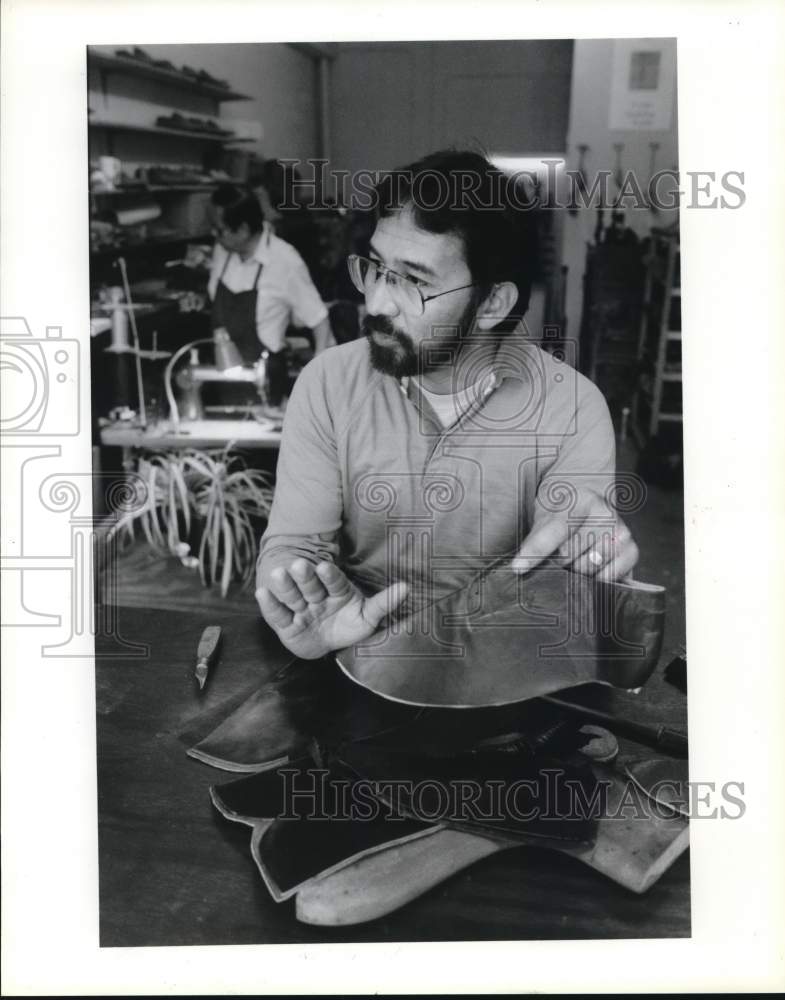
[{"x": 315, "y": 610}]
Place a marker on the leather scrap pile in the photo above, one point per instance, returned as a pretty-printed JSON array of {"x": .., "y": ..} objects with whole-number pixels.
[{"x": 357, "y": 803}]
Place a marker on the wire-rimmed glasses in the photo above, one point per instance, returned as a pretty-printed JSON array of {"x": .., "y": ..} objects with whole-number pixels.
[{"x": 405, "y": 292}]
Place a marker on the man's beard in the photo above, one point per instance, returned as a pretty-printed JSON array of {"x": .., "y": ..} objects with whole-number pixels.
[{"x": 400, "y": 358}]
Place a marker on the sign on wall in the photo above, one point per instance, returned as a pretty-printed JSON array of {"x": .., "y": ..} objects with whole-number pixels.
[{"x": 642, "y": 84}]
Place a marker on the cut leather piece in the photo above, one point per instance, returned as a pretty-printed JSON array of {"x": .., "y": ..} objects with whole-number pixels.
[
  {"x": 262, "y": 795},
  {"x": 306, "y": 698},
  {"x": 665, "y": 780},
  {"x": 257, "y": 735},
  {"x": 290, "y": 853},
  {"x": 499, "y": 791},
  {"x": 442, "y": 732},
  {"x": 634, "y": 853},
  {"x": 634, "y": 845},
  {"x": 507, "y": 638},
  {"x": 313, "y": 699},
  {"x": 389, "y": 862},
  {"x": 290, "y": 845},
  {"x": 383, "y": 881}
]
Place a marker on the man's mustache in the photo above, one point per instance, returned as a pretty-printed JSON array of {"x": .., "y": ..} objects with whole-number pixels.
[{"x": 379, "y": 324}]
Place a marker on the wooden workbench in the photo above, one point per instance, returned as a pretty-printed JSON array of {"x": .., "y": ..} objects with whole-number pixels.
[
  {"x": 173, "y": 872},
  {"x": 191, "y": 434}
]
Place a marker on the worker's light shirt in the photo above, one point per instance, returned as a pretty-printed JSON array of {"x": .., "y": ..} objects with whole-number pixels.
[{"x": 286, "y": 293}]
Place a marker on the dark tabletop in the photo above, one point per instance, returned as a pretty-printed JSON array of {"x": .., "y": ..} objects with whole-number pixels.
[{"x": 174, "y": 872}]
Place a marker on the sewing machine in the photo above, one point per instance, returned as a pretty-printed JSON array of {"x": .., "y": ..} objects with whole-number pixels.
[
  {"x": 228, "y": 369},
  {"x": 194, "y": 375},
  {"x": 188, "y": 425}
]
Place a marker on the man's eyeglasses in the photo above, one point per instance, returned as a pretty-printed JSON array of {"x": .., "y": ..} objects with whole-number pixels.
[{"x": 405, "y": 292}]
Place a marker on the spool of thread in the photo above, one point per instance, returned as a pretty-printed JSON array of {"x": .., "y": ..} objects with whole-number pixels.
[{"x": 120, "y": 341}]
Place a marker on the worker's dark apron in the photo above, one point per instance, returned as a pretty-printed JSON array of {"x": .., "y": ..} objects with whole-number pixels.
[{"x": 236, "y": 312}]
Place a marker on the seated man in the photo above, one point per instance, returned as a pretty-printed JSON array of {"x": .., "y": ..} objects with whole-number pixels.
[
  {"x": 259, "y": 285},
  {"x": 445, "y": 439}
]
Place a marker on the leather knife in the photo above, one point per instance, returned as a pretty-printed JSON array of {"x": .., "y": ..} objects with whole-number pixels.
[{"x": 206, "y": 653}]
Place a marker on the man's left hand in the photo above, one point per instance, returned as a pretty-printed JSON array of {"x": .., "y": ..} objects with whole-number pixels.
[{"x": 589, "y": 539}]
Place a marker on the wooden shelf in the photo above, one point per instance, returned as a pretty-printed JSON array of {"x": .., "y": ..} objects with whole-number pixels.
[
  {"x": 153, "y": 244},
  {"x": 174, "y": 77},
  {"x": 161, "y": 130},
  {"x": 160, "y": 188}
]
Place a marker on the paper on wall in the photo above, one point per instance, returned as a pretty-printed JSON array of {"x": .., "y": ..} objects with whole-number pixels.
[{"x": 642, "y": 84}]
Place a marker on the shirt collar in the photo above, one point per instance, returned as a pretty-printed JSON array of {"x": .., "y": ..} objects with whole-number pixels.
[
  {"x": 262, "y": 252},
  {"x": 492, "y": 378},
  {"x": 489, "y": 382}
]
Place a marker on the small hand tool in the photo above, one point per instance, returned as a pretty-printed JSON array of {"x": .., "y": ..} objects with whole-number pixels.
[
  {"x": 206, "y": 653},
  {"x": 670, "y": 741}
]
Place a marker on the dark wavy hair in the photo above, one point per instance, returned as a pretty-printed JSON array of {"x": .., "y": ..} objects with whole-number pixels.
[
  {"x": 239, "y": 205},
  {"x": 461, "y": 192}
]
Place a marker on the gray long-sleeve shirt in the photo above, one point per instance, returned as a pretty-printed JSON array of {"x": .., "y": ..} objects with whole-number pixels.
[{"x": 369, "y": 478}]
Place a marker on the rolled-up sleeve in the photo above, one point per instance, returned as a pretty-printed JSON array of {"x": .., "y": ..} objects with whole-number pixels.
[{"x": 307, "y": 306}]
